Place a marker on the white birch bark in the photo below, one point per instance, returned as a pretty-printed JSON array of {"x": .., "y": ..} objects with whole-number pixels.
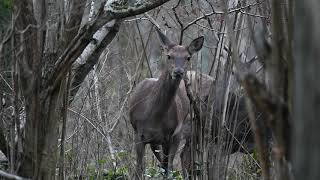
[
  {"x": 100, "y": 118},
  {"x": 98, "y": 36}
]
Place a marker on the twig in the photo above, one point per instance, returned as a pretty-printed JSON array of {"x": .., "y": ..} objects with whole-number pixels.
[
  {"x": 218, "y": 12},
  {"x": 144, "y": 50},
  {"x": 241, "y": 145},
  {"x": 154, "y": 22},
  {"x": 136, "y": 19},
  {"x": 11, "y": 176},
  {"x": 253, "y": 15},
  {"x": 89, "y": 121},
  {"x": 179, "y": 21},
  {"x": 6, "y": 82},
  {"x": 100, "y": 118}
]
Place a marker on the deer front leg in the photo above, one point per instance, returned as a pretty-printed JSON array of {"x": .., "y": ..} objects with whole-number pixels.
[
  {"x": 172, "y": 152},
  {"x": 164, "y": 163},
  {"x": 140, "y": 150}
]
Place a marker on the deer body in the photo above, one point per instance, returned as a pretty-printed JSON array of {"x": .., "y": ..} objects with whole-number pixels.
[
  {"x": 160, "y": 107},
  {"x": 158, "y": 103}
]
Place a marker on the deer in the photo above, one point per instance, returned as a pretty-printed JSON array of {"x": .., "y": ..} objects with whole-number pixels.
[{"x": 160, "y": 107}]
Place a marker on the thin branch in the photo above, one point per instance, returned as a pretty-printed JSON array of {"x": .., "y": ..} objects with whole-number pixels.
[
  {"x": 179, "y": 21},
  {"x": 136, "y": 19},
  {"x": 89, "y": 121},
  {"x": 144, "y": 50},
  {"x": 6, "y": 82},
  {"x": 253, "y": 15},
  {"x": 154, "y": 22},
  {"x": 218, "y": 12},
  {"x": 11, "y": 176},
  {"x": 100, "y": 118}
]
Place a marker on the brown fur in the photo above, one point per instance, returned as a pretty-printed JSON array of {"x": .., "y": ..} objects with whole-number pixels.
[
  {"x": 160, "y": 107},
  {"x": 157, "y": 113}
]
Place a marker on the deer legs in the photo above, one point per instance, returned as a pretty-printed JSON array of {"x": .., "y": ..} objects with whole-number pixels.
[
  {"x": 140, "y": 150},
  {"x": 166, "y": 158},
  {"x": 169, "y": 152},
  {"x": 172, "y": 152}
]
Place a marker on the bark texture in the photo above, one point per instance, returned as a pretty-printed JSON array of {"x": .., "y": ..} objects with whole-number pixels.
[
  {"x": 49, "y": 39},
  {"x": 305, "y": 144}
]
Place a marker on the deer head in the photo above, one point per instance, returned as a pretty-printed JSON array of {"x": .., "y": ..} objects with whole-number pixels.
[{"x": 178, "y": 56}]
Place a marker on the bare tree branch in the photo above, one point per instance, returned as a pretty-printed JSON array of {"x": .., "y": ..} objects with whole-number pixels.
[
  {"x": 120, "y": 12},
  {"x": 82, "y": 70},
  {"x": 84, "y": 37},
  {"x": 75, "y": 17},
  {"x": 10, "y": 176}
]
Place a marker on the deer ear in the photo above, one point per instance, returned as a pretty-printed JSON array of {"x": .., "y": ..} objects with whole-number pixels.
[
  {"x": 164, "y": 39},
  {"x": 195, "y": 45}
]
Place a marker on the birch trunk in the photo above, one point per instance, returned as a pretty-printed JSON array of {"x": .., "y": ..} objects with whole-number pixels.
[{"x": 100, "y": 118}]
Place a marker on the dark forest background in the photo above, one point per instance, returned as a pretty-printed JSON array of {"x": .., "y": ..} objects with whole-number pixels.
[{"x": 67, "y": 69}]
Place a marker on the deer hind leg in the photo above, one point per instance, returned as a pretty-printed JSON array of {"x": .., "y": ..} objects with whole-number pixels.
[{"x": 140, "y": 150}]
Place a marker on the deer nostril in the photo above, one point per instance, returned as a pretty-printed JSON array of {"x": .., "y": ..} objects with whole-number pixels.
[{"x": 178, "y": 71}]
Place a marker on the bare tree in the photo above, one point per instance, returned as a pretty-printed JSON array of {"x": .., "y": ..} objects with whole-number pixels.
[
  {"x": 46, "y": 46},
  {"x": 50, "y": 101}
]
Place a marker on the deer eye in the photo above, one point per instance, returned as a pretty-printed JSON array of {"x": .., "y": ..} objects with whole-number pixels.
[
  {"x": 188, "y": 58},
  {"x": 168, "y": 56}
]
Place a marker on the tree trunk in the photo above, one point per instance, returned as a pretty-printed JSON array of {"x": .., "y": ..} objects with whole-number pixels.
[
  {"x": 43, "y": 106},
  {"x": 46, "y": 52},
  {"x": 305, "y": 144}
]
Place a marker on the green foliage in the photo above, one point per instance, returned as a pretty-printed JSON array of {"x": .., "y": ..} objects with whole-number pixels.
[
  {"x": 102, "y": 162},
  {"x": 119, "y": 173},
  {"x": 250, "y": 167},
  {"x": 7, "y": 4},
  {"x": 199, "y": 168},
  {"x": 153, "y": 172},
  {"x": 121, "y": 154},
  {"x": 5, "y": 12},
  {"x": 3, "y": 167},
  {"x": 177, "y": 175},
  {"x": 246, "y": 170},
  {"x": 159, "y": 173}
]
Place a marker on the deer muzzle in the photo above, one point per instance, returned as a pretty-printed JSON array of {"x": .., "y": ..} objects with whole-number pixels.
[{"x": 178, "y": 72}]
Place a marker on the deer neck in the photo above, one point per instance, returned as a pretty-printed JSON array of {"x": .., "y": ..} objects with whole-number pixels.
[{"x": 167, "y": 88}]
